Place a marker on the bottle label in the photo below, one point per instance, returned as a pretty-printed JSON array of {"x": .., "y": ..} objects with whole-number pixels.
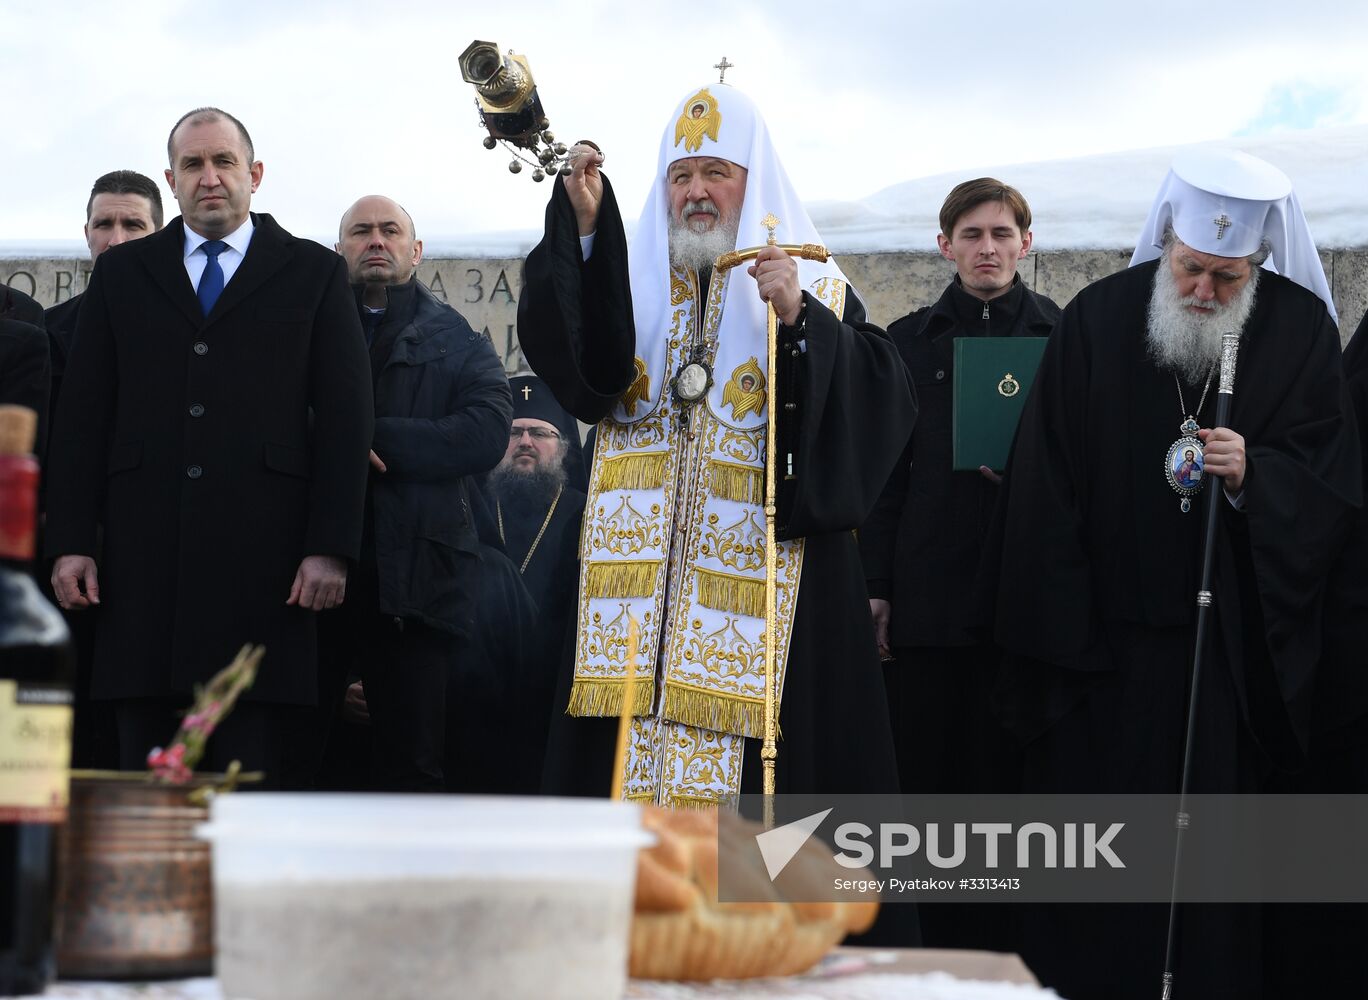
[{"x": 35, "y": 752}]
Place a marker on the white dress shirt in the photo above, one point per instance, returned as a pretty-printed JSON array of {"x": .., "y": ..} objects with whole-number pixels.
[{"x": 196, "y": 260}]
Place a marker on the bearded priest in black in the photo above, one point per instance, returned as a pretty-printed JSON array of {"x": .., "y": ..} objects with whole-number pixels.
[
  {"x": 668, "y": 358},
  {"x": 537, "y": 510},
  {"x": 1100, "y": 546}
]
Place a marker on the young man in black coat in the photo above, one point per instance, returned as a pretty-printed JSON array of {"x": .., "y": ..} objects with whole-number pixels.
[
  {"x": 921, "y": 545},
  {"x": 215, "y": 419},
  {"x": 442, "y": 409}
]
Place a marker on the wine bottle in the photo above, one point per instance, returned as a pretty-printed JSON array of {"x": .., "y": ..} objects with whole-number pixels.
[{"x": 36, "y": 667}]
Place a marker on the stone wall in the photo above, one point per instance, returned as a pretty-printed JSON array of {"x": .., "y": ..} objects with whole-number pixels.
[{"x": 486, "y": 290}]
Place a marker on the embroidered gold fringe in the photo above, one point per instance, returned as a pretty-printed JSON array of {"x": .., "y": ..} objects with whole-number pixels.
[
  {"x": 597, "y": 696},
  {"x": 624, "y": 578},
  {"x": 632, "y": 471},
  {"x": 732, "y": 481},
  {"x": 740, "y": 595},
  {"x": 696, "y": 802},
  {"x": 723, "y": 712}
]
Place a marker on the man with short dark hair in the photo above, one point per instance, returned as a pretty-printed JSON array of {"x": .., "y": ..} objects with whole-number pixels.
[
  {"x": 920, "y": 546},
  {"x": 215, "y": 420},
  {"x": 1099, "y": 547},
  {"x": 442, "y": 408},
  {"x": 123, "y": 205}
]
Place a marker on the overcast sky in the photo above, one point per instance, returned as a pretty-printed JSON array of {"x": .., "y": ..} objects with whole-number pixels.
[{"x": 346, "y": 98}]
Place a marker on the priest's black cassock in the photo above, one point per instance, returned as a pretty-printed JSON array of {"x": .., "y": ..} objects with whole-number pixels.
[
  {"x": 1096, "y": 598},
  {"x": 854, "y": 407},
  {"x": 549, "y": 567},
  {"x": 553, "y": 558}
]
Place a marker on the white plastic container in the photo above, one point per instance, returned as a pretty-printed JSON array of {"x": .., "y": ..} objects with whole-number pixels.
[{"x": 361, "y": 897}]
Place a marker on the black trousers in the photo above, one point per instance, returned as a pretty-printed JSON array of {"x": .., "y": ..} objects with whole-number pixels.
[{"x": 404, "y": 666}]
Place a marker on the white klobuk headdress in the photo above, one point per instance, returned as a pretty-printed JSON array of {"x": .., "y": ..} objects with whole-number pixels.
[
  {"x": 718, "y": 121},
  {"x": 1226, "y": 203}
]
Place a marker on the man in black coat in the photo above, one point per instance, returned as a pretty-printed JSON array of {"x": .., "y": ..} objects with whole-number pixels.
[
  {"x": 442, "y": 409},
  {"x": 123, "y": 205},
  {"x": 216, "y": 417},
  {"x": 921, "y": 545}
]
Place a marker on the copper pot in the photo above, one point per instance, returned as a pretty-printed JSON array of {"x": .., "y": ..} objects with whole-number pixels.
[{"x": 137, "y": 898}]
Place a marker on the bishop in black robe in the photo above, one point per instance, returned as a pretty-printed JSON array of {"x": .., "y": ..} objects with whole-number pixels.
[{"x": 1098, "y": 572}]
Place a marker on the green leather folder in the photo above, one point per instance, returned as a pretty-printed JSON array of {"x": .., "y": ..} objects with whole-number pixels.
[{"x": 992, "y": 377}]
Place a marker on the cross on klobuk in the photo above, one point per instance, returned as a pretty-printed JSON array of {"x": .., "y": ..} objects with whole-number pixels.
[
  {"x": 723, "y": 66},
  {"x": 527, "y": 392},
  {"x": 1222, "y": 224}
]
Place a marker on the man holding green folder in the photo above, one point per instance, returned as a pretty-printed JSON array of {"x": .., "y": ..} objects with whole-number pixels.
[{"x": 920, "y": 547}]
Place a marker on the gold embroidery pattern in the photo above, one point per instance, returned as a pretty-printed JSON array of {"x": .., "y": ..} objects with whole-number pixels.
[
  {"x": 746, "y": 447},
  {"x": 740, "y": 546},
  {"x": 647, "y": 434},
  {"x": 831, "y": 292},
  {"x": 640, "y": 389},
  {"x": 699, "y": 118},
  {"x": 641, "y": 585},
  {"x": 699, "y": 767},
  {"x": 627, "y": 531},
  {"x": 709, "y": 688},
  {"x": 745, "y": 390},
  {"x": 695, "y": 692},
  {"x": 681, "y": 286},
  {"x": 641, "y": 775}
]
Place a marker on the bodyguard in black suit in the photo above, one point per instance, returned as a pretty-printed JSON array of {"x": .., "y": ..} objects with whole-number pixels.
[{"x": 216, "y": 418}]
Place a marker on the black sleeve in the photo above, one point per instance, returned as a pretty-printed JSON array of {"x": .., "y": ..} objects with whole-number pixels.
[
  {"x": 853, "y": 407},
  {"x": 575, "y": 316},
  {"x": 469, "y": 439},
  {"x": 25, "y": 375}
]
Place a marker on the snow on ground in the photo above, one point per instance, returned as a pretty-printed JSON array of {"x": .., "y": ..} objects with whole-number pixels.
[{"x": 1093, "y": 202}]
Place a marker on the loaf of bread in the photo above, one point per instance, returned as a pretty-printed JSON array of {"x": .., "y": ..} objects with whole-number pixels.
[{"x": 681, "y": 931}]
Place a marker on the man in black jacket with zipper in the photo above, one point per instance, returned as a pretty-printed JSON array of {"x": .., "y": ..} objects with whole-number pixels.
[
  {"x": 442, "y": 414},
  {"x": 921, "y": 544}
]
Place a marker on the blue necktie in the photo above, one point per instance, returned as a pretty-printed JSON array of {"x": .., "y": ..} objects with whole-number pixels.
[{"x": 211, "y": 282}]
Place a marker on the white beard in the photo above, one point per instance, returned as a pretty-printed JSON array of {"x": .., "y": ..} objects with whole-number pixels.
[
  {"x": 1188, "y": 342},
  {"x": 695, "y": 250}
]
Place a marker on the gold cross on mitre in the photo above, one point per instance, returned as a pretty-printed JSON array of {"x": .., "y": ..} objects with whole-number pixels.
[
  {"x": 1222, "y": 224},
  {"x": 770, "y": 223},
  {"x": 722, "y": 67}
]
